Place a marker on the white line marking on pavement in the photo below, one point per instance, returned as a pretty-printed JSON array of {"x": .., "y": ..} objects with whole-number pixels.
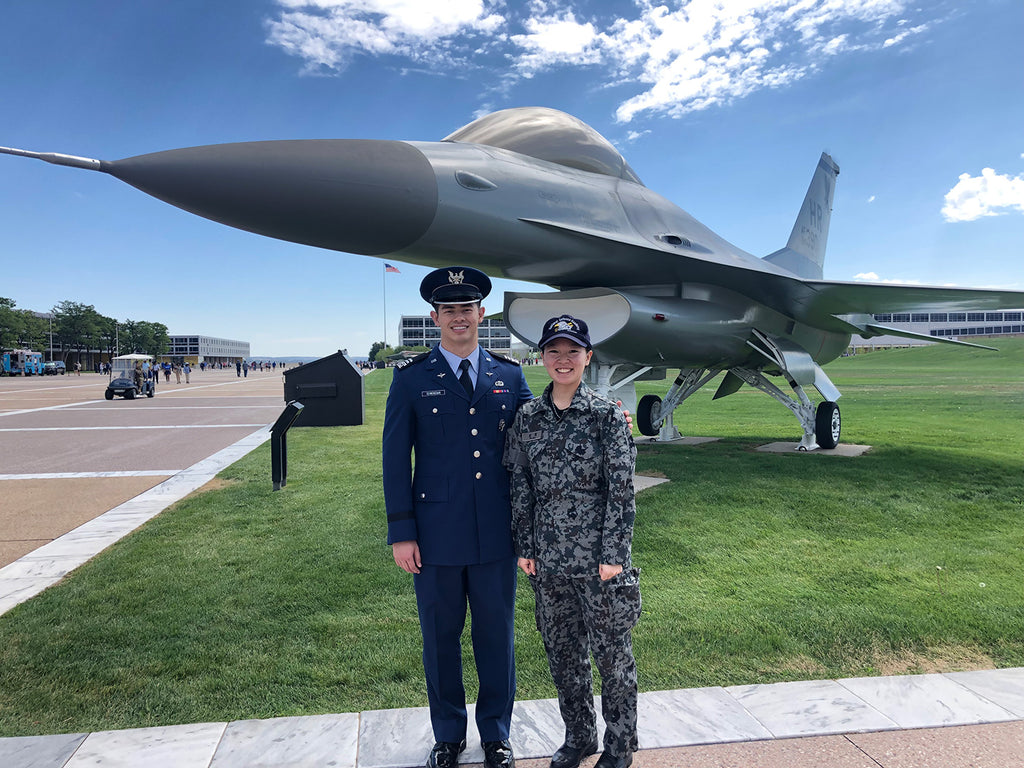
[
  {"x": 162, "y": 426},
  {"x": 76, "y": 475}
]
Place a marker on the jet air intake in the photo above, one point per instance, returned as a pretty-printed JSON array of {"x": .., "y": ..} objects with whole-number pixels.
[{"x": 628, "y": 328}]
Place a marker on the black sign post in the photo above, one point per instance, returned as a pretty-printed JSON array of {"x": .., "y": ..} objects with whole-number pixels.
[{"x": 279, "y": 444}]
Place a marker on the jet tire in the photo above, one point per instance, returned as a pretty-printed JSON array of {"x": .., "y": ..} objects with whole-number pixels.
[
  {"x": 648, "y": 405},
  {"x": 827, "y": 425}
]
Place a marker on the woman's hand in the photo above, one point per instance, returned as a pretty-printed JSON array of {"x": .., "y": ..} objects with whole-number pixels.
[
  {"x": 528, "y": 566},
  {"x": 609, "y": 571}
]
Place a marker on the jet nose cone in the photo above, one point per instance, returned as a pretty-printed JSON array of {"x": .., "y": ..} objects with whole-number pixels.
[{"x": 360, "y": 196}]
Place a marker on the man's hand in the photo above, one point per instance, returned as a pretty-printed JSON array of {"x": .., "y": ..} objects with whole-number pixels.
[
  {"x": 625, "y": 412},
  {"x": 528, "y": 566},
  {"x": 608, "y": 571},
  {"x": 407, "y": 556}
]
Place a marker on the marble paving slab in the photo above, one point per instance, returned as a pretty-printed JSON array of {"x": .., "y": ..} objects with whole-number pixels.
[
  {"x": 694, "y": 716},
  {"x": 290, "y": 742},
  {"x": 810, "y": 708},
  {"x": 396, "y": 738},
  {"x": 1005, "y": 687},
  {"x": 176, "y": 746},
  {"x": 39, "y": 751},
  {"x": 918, "y": 701},
  {"x": 537, "y": 729}
]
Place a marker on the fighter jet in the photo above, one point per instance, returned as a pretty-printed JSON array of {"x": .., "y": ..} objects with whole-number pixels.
[{"x": 535, "y": 194}]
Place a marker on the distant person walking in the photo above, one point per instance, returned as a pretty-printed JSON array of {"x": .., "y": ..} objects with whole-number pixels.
[
  {"x": 188, "y": 372},
  {"x": 238, "y": 368}
]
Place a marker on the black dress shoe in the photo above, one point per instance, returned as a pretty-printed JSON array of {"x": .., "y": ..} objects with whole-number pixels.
[
  {"x": 571, "y": 757},
  {"x": 498, "y": 754},
  {"x": 445, "y": 754},
  {"x": 608, "y": 760}
]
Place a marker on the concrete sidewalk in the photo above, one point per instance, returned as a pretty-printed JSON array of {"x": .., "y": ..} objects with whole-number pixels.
[{"x": 894, "y": 722}]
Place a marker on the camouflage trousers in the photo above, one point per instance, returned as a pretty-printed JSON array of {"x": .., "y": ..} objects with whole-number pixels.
[{"x": 578, "y": 616}]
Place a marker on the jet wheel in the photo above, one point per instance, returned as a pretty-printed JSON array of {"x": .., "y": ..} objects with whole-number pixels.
[
  {"x": 827, "y": 425},
  {"x": 648, "y": 405}
]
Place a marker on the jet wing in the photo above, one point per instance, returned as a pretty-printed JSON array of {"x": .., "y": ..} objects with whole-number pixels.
[
  {"x": 631, "y": 260},
  {"x": 837, "y": 298}
]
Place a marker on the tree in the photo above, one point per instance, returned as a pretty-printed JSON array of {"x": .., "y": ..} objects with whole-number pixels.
[
  {"x": 10, "y": 324},
  {"x": 153, "y": 338},
  {"x": 374, "y": 349},
  {"x": 107, "y": 335},
  {"x": 75, "y": 325},
  {"x": 34, "y": 330}
]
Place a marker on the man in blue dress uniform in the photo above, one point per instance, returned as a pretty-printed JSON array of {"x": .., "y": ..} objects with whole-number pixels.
[{"x": 449, "y": 521}]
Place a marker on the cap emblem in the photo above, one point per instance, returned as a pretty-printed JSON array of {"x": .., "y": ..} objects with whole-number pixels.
[{"x": 456, "y": 278}]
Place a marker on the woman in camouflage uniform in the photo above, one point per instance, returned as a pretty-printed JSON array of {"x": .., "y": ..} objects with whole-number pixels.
[{"x": 571, "y": 455}]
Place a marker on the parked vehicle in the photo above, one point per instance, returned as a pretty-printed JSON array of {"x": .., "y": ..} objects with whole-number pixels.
[
  {"x": 22, "y": 362},
  {"x": 131, "y": 376},
  {"x": 53, "y": 367}
]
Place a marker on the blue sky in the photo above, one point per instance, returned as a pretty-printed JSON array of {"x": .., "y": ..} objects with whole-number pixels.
[{"x": 722, "y": 107}]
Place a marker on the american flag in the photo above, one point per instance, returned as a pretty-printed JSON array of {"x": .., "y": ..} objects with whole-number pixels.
[{"x": 391, "y": 268}]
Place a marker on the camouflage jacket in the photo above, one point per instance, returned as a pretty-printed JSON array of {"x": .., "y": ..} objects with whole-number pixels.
[{"x": 572, "y": 484}]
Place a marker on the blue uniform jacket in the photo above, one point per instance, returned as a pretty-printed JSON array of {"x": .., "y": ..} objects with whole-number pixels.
[{"x": 455, "y": 503}]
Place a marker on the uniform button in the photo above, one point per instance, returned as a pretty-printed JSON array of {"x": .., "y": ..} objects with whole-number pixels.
[
  {"x": 503, "y": 406},
  {"x": 476, "y": 454},
  {"x": 472, "y": 411},
  {"x": 472, "y": 431},
  {"x": 435, "y": 410},
  {"x": 479, "y": 475},
  {"x": 423, "y": 495}
]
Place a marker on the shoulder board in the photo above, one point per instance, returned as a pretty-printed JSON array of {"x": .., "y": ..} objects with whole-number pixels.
[
  {"x": 412, "y": 361},
  {"x": 503, "y": 359}
]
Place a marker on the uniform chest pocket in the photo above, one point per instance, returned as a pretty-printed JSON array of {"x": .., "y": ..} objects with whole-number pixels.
[
  {"x": 432, "y": 413},
  {"x": 586, "y": 457},
  {"x": 503, "y": 404},
  {"x": 565, "y": 462}
]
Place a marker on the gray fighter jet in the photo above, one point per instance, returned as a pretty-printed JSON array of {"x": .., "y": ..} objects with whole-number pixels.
[{"x": 535, "y": 194}]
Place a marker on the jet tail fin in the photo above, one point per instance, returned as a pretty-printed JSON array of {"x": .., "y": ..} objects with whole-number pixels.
[{"x": 804, "y": 254}]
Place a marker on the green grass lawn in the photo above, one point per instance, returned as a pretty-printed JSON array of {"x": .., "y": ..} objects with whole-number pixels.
[{"x": 241, "y": 602}]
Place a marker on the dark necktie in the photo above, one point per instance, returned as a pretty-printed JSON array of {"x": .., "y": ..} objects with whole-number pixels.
[{"x": 467, "y": 383}]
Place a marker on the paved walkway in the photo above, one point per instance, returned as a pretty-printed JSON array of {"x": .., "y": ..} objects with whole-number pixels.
[
  {"x": 852, "y": 723},
  {"x": 948, "y": 720}
]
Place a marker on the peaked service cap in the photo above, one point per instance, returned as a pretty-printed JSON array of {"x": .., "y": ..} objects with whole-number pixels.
[{"x": 455, "y": 285}]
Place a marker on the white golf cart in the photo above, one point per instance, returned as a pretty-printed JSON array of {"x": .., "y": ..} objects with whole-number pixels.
[{"x": 131, "y": 376}]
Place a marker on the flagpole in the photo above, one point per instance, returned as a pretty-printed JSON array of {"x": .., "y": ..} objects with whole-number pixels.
[{"x": 384, "y": 285}]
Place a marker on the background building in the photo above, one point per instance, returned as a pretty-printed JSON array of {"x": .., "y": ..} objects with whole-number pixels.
[
  {"x": 199, "y": 349},
  {"x": 951, "y": 325},
  {"x": 420, "y": 331}
]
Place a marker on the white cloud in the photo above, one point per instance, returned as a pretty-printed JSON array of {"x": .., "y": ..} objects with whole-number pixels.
[
  {"x": 677, "y": 56},
  {"x": 872, "y": 277},
  {"x": 554, "y": 40},
  {"x": 987, "y": 195},
  {"x": 327, "y": 33}
]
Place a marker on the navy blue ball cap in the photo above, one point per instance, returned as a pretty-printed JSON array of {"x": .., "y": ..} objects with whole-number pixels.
[
  {"x": 565, "y": 327},
  {"x": 455, "y": 285}
]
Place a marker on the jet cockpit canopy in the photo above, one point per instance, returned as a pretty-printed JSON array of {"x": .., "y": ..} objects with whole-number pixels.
[{"x": 550, "y": 135}]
